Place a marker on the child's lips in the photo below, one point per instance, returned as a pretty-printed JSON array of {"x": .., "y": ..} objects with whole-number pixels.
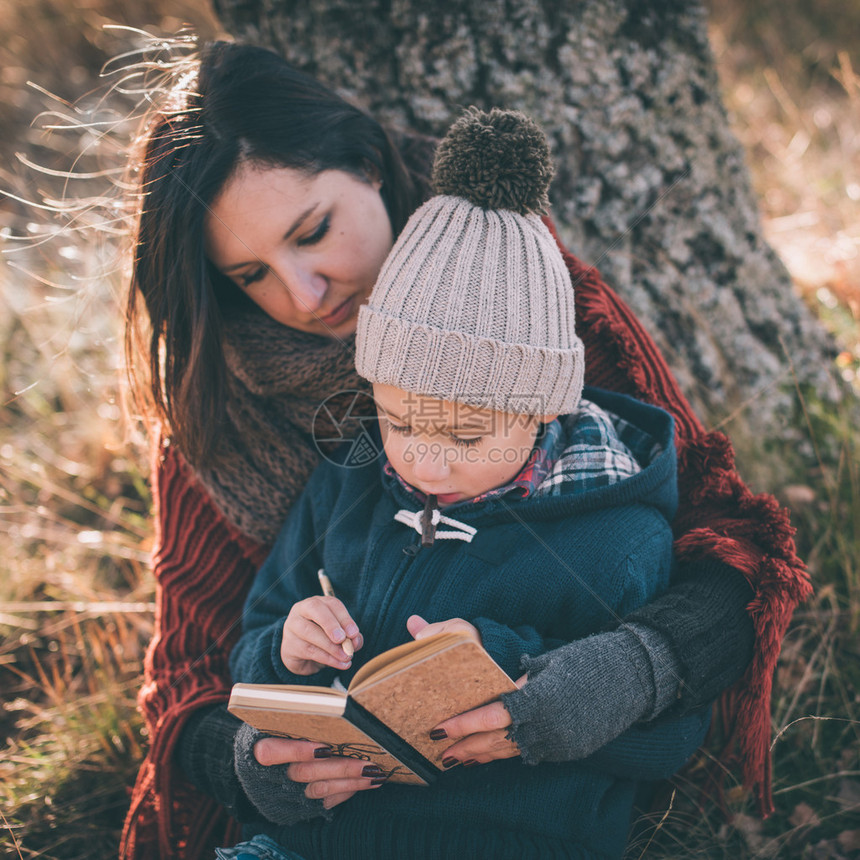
[{"x": 448, "y": 498}]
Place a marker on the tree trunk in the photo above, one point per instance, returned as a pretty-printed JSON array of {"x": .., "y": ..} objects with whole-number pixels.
[{"x": 651, "y": 185}]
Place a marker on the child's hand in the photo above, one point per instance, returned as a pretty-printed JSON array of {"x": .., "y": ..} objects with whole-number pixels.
[
  {"x": 313, "y": 635},
  {"x": 419, "y": 628}
]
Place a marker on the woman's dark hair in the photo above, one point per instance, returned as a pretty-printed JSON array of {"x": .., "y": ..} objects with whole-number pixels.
[{"x": 245, "y": 104}]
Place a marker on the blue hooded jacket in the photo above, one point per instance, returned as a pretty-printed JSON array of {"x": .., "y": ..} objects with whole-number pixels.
[{"x": 538, "y": 572}]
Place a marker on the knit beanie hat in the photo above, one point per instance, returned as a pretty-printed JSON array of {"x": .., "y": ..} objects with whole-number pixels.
[{"x": 474, "y": 303}]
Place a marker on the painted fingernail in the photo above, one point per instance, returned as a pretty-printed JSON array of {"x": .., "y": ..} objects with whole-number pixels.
[
  {"x": 372, "y": 770},
  {"x": 469, "y": 762},
  {"x": 380, "y": 781},
  {"x": 438, "y": 735},
  {"x": 450, "y": 761},
  {"x": 322, "y": 752}
]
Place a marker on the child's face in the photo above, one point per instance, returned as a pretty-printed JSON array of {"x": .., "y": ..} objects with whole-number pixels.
[{"x": 450, "y": 450}]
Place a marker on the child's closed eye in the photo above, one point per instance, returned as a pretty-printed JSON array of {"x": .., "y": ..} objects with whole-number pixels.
[
  {"x": 466, "y": 442},
  {"x": 406, "y": 429},
  {"x": 402, "y": 429}
]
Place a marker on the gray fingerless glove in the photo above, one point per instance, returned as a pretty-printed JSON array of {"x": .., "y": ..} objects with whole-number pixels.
[
  {"x": 268, "y": 787},
  {"x": 582, "y": 695}
]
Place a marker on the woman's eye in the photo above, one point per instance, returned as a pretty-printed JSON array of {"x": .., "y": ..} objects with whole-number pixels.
[
  {"x": 317, "y": 234},
  {"x": 245, "y": 281}
]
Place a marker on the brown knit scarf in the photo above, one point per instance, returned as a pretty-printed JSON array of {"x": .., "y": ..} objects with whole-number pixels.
[{"x": 278, "y": 378}]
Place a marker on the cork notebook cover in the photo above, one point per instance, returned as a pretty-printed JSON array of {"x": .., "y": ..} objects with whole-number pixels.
[
  {"x": 291, "y": 712},
  {"x": 417, "y": 689},
  {"x": 392, "y": 703}
]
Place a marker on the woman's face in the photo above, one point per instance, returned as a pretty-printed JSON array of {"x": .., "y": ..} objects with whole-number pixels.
[{"x": 306, "y": 249}]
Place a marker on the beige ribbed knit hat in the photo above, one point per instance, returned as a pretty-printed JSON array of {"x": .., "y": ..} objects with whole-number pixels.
[{"x": 474, "y": 303}]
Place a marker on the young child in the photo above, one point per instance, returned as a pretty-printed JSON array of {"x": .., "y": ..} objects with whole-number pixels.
[{"x": 509, "y": 504}]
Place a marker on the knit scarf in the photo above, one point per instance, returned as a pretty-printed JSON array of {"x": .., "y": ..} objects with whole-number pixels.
[{"x": 278, "y": 378}]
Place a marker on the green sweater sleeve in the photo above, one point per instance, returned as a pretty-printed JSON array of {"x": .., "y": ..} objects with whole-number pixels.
[
  {"x": 705, "y": 622},
  {"x": 679, "y": 651}
]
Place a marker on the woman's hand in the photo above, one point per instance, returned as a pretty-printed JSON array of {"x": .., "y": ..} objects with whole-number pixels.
[
  {"x": 332, "y": 779},
  {"x": 481, "y": 735},
  {"x": 314, "y": 633}
]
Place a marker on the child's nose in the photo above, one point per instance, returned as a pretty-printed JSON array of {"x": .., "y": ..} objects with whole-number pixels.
[{"x": 430, "y": 462}]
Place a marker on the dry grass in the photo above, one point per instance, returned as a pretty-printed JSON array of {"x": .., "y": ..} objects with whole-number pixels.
[
  {"x": 76, "y": 599},
  {"x": 76, "y": 596},
  {"x": 791, "y": 82}
]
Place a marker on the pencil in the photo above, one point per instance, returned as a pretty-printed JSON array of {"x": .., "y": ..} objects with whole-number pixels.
[{"x": 328, "y": 591}]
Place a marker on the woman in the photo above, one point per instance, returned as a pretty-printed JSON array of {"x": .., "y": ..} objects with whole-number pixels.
[{"x": 268, "y": 205}]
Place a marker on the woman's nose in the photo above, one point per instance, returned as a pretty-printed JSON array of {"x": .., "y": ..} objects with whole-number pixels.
[
  {"x": 430, "y": 463},
  {"x": 305, "y": 285}
]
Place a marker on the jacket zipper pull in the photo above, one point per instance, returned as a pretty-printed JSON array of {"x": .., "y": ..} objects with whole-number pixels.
[{"x": 428, "y": 527}]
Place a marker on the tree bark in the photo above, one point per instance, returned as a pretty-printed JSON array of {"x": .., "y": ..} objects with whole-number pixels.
[{"x": 651, "y": 185}]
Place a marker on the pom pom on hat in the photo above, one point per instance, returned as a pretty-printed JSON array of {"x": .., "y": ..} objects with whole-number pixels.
[
  {"x": 474, "y": 304},
  {"x": 495, "y": 160}
]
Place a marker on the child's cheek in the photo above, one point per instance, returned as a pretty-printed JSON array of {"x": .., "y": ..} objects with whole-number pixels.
[{"x": 402, "y": 454}]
